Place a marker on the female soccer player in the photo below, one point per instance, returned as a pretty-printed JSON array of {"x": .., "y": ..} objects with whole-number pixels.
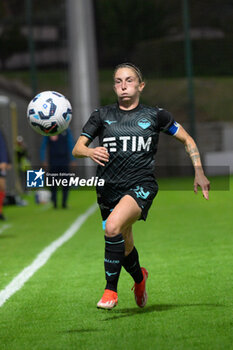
[{"x": 128, "y": 136}]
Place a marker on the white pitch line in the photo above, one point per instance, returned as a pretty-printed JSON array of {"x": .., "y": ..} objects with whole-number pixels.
[
  {"x": 18, "y": 282},
  {"x": 4, "y": 227}
]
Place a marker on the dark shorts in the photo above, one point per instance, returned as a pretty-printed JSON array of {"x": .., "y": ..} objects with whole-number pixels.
[{"x": 143, "y": 193}]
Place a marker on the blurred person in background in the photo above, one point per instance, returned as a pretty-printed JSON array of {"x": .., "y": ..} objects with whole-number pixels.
[
  {"x": 4, "y": 166},
  {"x": 22, "y": 160},
  {"x": 56, "y": 153},
  {"x": 128, "y": 134}
]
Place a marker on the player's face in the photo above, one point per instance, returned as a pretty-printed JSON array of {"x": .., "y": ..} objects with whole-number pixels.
[{"x": 127, "y": 85}]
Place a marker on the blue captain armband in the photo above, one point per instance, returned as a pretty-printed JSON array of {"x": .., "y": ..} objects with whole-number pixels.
[{"x": 173, "y": 129}]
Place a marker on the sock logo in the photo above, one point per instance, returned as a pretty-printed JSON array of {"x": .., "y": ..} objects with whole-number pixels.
[
  {"x": 111, "y": 261},
  {"x": 111, "y": 273}
]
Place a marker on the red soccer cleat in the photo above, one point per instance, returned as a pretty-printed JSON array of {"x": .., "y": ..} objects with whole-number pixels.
[
  {"x": 140, "y": 290},
  {"x": 108, "y": 301}
]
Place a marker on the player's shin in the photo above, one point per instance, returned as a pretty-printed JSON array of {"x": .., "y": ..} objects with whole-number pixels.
[
  {"x": 114, "y": 256},
  {"x": 132, "y": 266}
]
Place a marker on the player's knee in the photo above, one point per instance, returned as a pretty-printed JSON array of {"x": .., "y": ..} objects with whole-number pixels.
[{"x": 111, "y": 228}]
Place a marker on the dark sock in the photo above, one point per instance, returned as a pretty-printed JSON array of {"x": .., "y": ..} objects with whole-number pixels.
[
  {"x": 132, "y": 266},
  {"x": 114, "y": 255}
]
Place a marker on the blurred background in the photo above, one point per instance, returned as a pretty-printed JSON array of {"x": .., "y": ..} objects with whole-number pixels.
[{"x": 183, "y": 47}]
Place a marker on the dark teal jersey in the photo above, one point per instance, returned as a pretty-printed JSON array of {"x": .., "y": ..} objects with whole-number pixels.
[{"x": 131, "y": 138}]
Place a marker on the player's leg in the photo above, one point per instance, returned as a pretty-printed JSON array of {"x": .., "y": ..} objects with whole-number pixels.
[
  {"x": 118, "y": 225},
  {"x": 143, "y": 195},
  {"x": 131, "y": 259},
  {"x": 132, "y": 266},
  {"x": 133, "y": 206},
  {"x": 128, "y": 238},
  {"x": 125, "y": 213}
]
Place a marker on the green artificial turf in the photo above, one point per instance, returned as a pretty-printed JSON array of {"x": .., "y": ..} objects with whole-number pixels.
[{"x": 186, "y": 245}]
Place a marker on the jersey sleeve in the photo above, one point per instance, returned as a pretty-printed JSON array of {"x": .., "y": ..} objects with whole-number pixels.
[
  {"x": 92, "y": 126},
  {"x": 167, "y": 124}
]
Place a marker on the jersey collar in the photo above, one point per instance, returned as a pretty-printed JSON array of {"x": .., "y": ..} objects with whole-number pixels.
[{"x": 129, "y": 110}]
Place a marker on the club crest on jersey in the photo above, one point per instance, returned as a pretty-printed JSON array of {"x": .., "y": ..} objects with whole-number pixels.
[{"x": 144, "y": 123}]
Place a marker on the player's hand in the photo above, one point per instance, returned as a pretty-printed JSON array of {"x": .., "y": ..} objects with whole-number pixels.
[
  {"x": 202, "y": 181},
  {"x": 99, "y": 155}
]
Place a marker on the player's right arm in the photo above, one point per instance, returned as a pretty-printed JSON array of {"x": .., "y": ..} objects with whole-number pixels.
[{"x": 97, "y": 154}]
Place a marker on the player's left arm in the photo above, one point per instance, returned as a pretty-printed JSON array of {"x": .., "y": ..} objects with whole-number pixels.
[{"x": 191, "y": 148}]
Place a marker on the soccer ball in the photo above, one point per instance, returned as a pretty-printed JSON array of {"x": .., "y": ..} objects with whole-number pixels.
[{"x": 49, "y": 113}]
